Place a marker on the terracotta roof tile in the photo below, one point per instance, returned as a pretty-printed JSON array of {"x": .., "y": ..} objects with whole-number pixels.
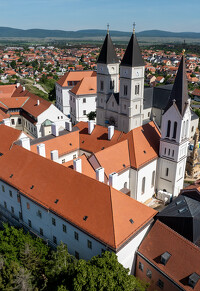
[
  {"x": 108, "y": 210},
  {"x": 74, "y": 76},
  {"x": 86, "y": 86},
  {"x": 185, "y": 256},
  {"x": 8, "y": 136}
]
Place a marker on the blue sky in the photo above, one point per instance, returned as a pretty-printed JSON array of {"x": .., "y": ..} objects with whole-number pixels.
[{"x": 171, "y": 15}]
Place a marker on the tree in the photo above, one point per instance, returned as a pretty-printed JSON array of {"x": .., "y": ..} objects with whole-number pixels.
[
  {"x": 13, "y": 64},
  {"x": 22, "y": 280},
  {"x": 91, "y": 115}
]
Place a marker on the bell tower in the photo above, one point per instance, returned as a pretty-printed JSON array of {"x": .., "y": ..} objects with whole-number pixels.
[
  {"x": 175, "y": 129},
  {"x": 107, "y": 76},
  {"x": 131, "y": 94}
]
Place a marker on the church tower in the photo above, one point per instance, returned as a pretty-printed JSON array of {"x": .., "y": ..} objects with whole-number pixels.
[
  {"x": 175, "y": 128},
  {"x": 107, "y": 77},
  {"x": 131, "y": 94}
]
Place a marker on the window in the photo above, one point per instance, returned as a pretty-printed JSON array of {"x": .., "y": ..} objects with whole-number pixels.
[
  {"x": 73, "y": 99},
  {"x": 28, "y": 205},
  {"x": 148, "y": 114},
  {"x": 168, "y": 152},
  {"x": 192, "y": 128},
  {"x": 160, "y": 284},
  {"x": 89, "y": 244},
  {"x": 5, "y": 204},
  {"x": 12, "y": 121},
  {"x": 112, "y": 84},
  {"x": 167, "y": 172},
  {"x": 70, "y": 97},
  {"x": 124, "y": 106},
  {"x": 125, "y": 90},
  {"x": 153, "y": 178},
  {"x": 19, "y": 121},
  {"x": 39, "y": 213},
  {"x": 165, "y": 151},
  {"x": 101, "y": 100},
  {"x": 76, "y": 255},
  {"x": 12, "y": 209},
  {"x": 175, "y": 129},
  {"x": 41, "y": 231},
  {"x": 137, "y": 89},
  {"x": 141, "y": 266},
  {"x": 183, "y": 130},
  {"x": 101, "y": 85},
  {"x": 135, "y": 106},
  {"x": 84, "y": 112},
  {"x": 54, "y": 239},
  {"x": 10, "y": 192},
  {"x": 173, "y": 153},
  {"x": 20, "y": 215},
  {"x": 149, "y": 274},
  {"x": 76, "y": 235},
  {"x": 74, "y": 156},
  {"x": 64, "y": 228},
  {"x": 84, "y": 100},
  {"x": 143, "y": 185},
  {"x": 3, "y": 188},
  {"x": 53, "y": 221},
  {"x": 29, "y": 223},
  {"x": 63, "y": 161},
  {"x": 18, "y": 198},
  {"x": 168, "y": 128}
]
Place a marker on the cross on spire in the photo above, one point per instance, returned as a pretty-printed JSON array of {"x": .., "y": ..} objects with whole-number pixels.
[
  {"x": 134, "y": 24},
  {"x": 108, "y": 27}
]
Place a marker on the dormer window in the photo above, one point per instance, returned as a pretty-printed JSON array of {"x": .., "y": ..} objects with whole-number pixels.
[
  {"x": 193, "y": 280},
  {"x": 165, "y": 258}
]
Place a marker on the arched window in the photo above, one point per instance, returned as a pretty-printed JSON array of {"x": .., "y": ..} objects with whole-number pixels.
[
  {"x": 183, "y": 130},
  {"x": 175, "y": 129},
  {"x": 143, "y": 185},
  {"x": 186, "y": 128},
  {"x": 153, "y": 178},
  {"x": 168, "y": 128},
  {"x": 167, "y": 172}
]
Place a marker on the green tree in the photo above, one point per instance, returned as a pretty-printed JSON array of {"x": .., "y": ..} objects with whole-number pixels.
[
  {"x": 91, "y": 115},
  {"x": 13, "y": 64}
]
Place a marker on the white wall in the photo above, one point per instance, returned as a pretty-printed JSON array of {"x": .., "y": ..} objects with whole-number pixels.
[
  {"x": 62, "y": 99},
  {"x": 127, "y": 255}
]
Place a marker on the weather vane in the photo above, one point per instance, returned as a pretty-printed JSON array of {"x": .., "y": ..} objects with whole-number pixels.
[
  {"x": 134, "y": 24},
  {"x": 108, "y": 26}
]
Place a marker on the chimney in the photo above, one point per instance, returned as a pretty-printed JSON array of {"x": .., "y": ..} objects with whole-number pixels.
[
  {"x": 38, "y": 102},
  {"x": 18, "y": 84},
  {"x": 54, "y": 129},
  {"x": 25, "y": 143},
  {"x": 6, "y": 121},
  {"x": 68, "y": 125},
  {"x": 23, "y": 88},
  {"x": 113, "y": 180},
  {"x": 90, "y": 126},
  {"x": 100, "y": 174},
  {"x": 77, "y": 165},
  {"x": 111, "y": 131},
  {"x": 54, "y": 155},
  {"x": 41, "y": 150}
]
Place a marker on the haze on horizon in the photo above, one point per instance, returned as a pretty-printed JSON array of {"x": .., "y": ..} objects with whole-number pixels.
[{"x": 175, "y": 16}]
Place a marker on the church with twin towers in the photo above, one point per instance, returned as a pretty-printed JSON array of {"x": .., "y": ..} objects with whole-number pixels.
[{"x": 122, "y": 107}]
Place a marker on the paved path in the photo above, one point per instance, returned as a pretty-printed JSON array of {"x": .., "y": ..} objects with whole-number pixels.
[{"x": 40, "y": 88}]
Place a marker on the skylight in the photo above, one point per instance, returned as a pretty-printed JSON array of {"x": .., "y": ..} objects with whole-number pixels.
[
  {"x": 131, "y": 221},
  {"x": 193, "y": 280},
  {"x": 85, "y": 217},
  {"x": 32, "y": 187},
  {"x": 56, "y": 201},
  {"x": 182, "y": 210},
  {"x": 11, "y": 175}
]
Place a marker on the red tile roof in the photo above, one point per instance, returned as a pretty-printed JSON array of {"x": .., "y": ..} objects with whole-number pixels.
[
  {"x": 185, "y": 256},
  {"x": 87, "y": 86},
  {"x": 75, "y": 77},
  {"x": 7, "y": 90},
  {"x": 108, "y": 210},
  {"x": 8, "y": 136}
]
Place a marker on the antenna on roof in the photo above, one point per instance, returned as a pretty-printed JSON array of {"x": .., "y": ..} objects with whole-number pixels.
[
  {"x": 134, "y": 24},
  {"x": 108, "y": 27}
]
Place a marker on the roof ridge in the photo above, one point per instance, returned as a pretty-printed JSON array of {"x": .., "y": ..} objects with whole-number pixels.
[{"x": 191, "y": 245}]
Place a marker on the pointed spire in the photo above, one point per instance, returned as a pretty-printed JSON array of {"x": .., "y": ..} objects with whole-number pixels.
[
  {"x": 133, "y": 56},
  {"x": 179, "y": 93},
  {"x": 107, "y": 54}
]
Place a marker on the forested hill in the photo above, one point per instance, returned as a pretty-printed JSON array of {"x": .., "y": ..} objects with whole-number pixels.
[{"x": 43, "y": 33}]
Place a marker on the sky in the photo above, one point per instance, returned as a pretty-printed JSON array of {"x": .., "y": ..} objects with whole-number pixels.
[{"x": 169, "y": 15}]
